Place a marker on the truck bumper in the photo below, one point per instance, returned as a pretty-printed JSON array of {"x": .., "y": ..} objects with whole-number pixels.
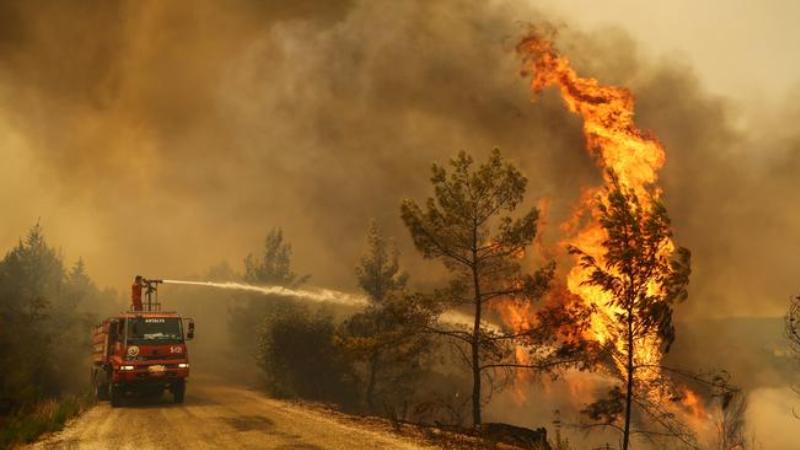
[{"x": 147, "y": 376}]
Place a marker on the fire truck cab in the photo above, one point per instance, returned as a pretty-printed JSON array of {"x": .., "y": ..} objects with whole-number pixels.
[{"x": 141, "y": 352}]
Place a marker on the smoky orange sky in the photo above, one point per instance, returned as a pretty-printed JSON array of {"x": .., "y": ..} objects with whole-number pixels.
[{"x": 165, "y": 137}]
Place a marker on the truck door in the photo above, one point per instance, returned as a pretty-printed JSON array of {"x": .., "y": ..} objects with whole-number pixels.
[{"x": 114, "y": 334}]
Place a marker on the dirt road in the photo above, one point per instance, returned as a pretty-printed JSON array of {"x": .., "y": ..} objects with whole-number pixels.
[{"x": 216, "y": 416}]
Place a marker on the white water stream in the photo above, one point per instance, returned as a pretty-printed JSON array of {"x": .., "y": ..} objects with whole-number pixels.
[{"x": 315, "y": 295}]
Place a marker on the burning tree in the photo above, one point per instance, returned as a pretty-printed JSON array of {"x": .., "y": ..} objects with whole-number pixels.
[
  {"x": 628, "y": 270},
  {"x": 468, "y": 226},
  {"x": 644, "y": 275},
  {"x": 731, "y": 422}
]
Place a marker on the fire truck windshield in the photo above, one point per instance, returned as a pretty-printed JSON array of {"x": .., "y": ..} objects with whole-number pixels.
[{"x": 149, "y": 329}]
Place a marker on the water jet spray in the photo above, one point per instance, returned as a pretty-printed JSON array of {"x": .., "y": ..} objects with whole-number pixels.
[{"x": 316, "y": 295}]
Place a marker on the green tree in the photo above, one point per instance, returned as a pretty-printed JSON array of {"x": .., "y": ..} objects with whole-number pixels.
[
  {"x": 299, "y": 357},
  {"x": 31, "y": 276},
  {"x": 272, "y": 266},
  {"x": 385, "y": 338},
  {"x": 379, "y": 272},
  {"x": 469, "y": 226},
  {"x": 43, "y": 337},
  {"x": 644, "y": 279},
  {"x": 386, "y": 341}
]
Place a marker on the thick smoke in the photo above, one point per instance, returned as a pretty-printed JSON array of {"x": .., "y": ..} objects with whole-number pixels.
[
  {"x": 159, "y": 139},
  {"x": 153, "y": 137}
]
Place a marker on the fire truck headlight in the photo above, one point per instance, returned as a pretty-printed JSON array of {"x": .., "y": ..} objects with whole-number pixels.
[
  {"x": 183, "y": 365},
  {"x": 125, "y": 367}
]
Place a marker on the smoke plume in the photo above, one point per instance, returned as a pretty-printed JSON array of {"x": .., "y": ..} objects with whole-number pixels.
[
  {"x": 149, "y": 136},
  {"x": 164, "y": 137}
]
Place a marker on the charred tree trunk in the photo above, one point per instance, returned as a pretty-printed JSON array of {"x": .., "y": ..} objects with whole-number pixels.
[
  {"x": 629, "y": 368},
  {"x": 476, "y": 336},
  {"x": 476, "y": 371}
]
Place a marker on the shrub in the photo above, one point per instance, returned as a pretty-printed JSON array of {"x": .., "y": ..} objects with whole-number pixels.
[
  {"x": 46, "y": 416},
  {"x": 299, "y": 358}
]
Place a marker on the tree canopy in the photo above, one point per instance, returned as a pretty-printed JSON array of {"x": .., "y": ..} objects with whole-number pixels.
[
  {"x": 274, "y": 265},
  {"x": 40, "y": 302},
  {"x": 471, "y": 226}
]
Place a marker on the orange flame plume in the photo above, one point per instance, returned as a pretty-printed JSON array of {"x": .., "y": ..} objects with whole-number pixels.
[{"x": 617, "y": 145}]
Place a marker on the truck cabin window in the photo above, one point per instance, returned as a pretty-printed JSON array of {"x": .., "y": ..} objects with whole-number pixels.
[{"x": 151, "y": 330}]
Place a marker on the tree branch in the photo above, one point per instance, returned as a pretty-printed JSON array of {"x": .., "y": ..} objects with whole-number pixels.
[
  {"x": 543, "y": 366},
  {"x": 462, "y": 335}
]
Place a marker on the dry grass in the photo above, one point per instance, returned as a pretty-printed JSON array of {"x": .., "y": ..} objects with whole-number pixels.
[{"x": 46, "y": 416}]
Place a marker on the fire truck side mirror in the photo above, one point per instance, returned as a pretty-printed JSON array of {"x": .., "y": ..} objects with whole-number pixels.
[{"x": 190, "y": 330}]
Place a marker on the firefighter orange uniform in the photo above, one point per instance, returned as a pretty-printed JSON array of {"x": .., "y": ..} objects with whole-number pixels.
[{"x": 136, "y": 294}]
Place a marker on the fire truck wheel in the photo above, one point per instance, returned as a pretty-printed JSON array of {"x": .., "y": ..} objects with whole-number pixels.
[
  {"x": 116, "y": 396},
  {"x": 178, "y": 391}
]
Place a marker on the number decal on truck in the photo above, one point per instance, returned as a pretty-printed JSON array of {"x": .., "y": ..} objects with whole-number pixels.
[{"x": 176, "y": 349}]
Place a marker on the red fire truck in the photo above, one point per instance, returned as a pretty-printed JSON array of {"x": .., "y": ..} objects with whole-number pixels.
[{"x": 141, "y": 351}]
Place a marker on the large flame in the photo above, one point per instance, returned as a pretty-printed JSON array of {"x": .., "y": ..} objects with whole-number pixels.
[
  {"x": 618, "y": 146},
  {"x": 607, "y": 112}
]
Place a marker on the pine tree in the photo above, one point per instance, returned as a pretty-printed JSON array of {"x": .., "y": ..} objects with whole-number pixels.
[
  {"x": 469, "y": 225},
  {"x": 645, "y": 279},
  {"x": 385, "y": 338},
  {"x": 274, "y": 266}
]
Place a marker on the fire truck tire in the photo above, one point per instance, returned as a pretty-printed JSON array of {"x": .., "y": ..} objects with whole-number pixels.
[
  {"x": 116, "y": 397},
  {"x": 178, "y": 391}
]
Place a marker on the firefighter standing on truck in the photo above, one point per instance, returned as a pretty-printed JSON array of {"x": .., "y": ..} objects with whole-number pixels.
[{"x": 136, "y": 293}]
